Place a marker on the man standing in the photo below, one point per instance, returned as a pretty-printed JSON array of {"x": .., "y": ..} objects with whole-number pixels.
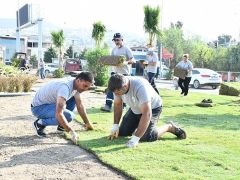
[
  {"x": 124, "y": 69},
  {"x": 185, "y": 64},
  {"x": 152, "y": 68},
  {"x": 145, "y": 108},
  {"x": 53, "y": 104}
]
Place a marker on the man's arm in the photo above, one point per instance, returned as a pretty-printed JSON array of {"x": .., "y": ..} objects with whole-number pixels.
[
  {"x": 60, "y": 106},
  {"x": 117, "y": 117},
  {"x": 144, "y": 120},
  {"x": 117, "y": 110},
  {"x": 82, "y": 111}
]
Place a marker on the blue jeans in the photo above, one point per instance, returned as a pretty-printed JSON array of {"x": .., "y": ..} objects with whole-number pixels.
[
  {"x": 42, "y": 73},
  {"x": 46, "y": 112}
]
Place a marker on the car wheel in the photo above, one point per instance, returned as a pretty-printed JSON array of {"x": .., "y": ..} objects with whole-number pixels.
[
  {"x": 214, "y": 87},
  {"x": 47, "y": 72},
  {"x": 196, "y": 84}
]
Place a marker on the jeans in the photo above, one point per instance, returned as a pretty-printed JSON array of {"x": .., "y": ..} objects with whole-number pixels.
[
  {"x": 46, "y": 112},
  {"x": 42, "y": 73}
]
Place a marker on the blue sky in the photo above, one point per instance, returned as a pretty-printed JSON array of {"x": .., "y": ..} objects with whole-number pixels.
[{"x": 206, "y": 18}]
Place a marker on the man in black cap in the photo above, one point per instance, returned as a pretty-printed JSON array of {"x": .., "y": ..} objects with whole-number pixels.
[{"x": 124, "y": 69}]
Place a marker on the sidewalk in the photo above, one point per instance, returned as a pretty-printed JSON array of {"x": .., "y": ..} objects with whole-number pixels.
[{"x": 23, "y": 155}]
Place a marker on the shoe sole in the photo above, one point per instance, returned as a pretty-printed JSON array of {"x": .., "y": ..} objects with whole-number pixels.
[{"x": 33, "y": 126}]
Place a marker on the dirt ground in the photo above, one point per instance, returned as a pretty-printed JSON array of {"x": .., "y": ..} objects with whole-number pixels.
[{"x": 23, "y": 155}]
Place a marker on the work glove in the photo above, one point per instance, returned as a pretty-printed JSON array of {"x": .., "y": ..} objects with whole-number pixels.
[
  {"x": 133, "y": 142},
  {"x": 88, "y": 126},
  {"x": 74, "y": 136},
  {"x": 114, "y": 132}
]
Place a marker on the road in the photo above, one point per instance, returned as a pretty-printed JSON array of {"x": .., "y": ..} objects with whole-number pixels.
[{"x": 168, "y": 84}]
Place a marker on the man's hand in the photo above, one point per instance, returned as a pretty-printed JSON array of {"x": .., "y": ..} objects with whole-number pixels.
[
  {"x": 133, "y": 142},
  {"x": 74, "y": 136},
  {"x": 114, "y": 132},
  {"x": 88, "y": 126}
]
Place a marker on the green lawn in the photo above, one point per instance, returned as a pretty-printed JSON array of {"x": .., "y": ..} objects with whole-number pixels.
[{"x": 211, "y": 150}]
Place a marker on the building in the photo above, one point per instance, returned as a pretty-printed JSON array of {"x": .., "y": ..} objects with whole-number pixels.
[
  {"x": 29, "y": 45},
  {"x": 9, "y": 43},
  {"x": 32, "y": 45}
]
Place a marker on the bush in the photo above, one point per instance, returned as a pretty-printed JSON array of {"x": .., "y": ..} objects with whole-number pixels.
[
  {"x": 58, "y": 73},
  {"x": 230, "y": 89},
  {"x": 3, "y": 84},
  {"x": 27, "y": 82},
  {"x": 94, "y": 66}
]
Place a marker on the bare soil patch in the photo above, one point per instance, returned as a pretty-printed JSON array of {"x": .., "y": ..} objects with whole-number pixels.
[{"x": 23, "y": 155}]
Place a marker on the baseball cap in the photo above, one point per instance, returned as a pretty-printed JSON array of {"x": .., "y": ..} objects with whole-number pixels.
[{"x": 117, "y": 36}]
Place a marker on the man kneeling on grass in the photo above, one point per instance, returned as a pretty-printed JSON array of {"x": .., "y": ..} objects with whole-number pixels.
[
  {"x": 145, "y": 108},
  {"x": 54, "y": 103}
]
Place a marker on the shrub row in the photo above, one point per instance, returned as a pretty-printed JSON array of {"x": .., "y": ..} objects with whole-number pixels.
[{"x": 21, "y": 83}]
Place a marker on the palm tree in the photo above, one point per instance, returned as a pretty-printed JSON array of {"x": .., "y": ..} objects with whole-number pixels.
[
  {"x": 98, "y": 32},
  {"x": 58, "y": 41},
  {"x": 151, "y": 23}
]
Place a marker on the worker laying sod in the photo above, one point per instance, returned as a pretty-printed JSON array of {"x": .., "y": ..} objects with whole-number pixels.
[{"x": 211, "y": 149}]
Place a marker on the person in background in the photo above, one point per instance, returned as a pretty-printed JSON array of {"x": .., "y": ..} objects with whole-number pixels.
[
  {"x": 41, "y": 66},
  {"x": 152, "y": 68},
  {"x": 187, "y": 65},
  {"x": 125, "y": 69},
  {"x": 22, "y": 64},
  {"x": 140, "y": 121},
  {"x": 53, "y": 104}
]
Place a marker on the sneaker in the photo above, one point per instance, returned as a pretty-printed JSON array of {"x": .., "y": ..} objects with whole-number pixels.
[
  {"x": 39, "y": 129},
  {"x": 60, "y": 128},
  {"x": 106, "y": 108},
  {"x": 179, "y": 132}
]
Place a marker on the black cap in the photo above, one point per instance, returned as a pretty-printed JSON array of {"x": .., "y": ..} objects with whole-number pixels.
[{"x": 117, "y": 36}]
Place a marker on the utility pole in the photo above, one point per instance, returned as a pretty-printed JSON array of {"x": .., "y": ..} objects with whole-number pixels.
[
  {"x": 18, "y": 31},
  {"x": 72, "y": 49}
]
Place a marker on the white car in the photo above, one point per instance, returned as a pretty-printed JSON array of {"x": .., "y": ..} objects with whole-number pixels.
[
  {"x": 205, "y": 77},
  {"x": 50, "y": 67}
]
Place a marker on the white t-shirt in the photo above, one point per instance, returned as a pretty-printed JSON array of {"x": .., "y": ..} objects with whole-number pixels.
[
  {"x": 49, "y": 93},
  {"x": 125, "y": 51},
  {"x": 153, "y": 58},
  {"x": 187, "y": 66},
  {"x": 140, "y": 91}
]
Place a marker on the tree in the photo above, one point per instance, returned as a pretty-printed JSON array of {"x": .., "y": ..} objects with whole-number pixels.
[
  {"x": 224, "y": 40},
  {"x": 98, "y": 33},
  {"x": 173, "y": 40},
  {"x": 33, "y": 61},
  {"x": 151, "y": 23},
  {"x": 94, "y": 66},
  {"x": 49, "y": 54},
  {"x": 69, "y": 53},
  {"x": 58, "y": 41}
]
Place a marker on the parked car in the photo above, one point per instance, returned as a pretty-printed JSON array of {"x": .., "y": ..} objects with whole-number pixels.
[
  {"x": 72, "y": 65},
  {"x": 205, "y": 77},
  {"x": 233, "y": 77},
  {"x": 50, "y": 68}
]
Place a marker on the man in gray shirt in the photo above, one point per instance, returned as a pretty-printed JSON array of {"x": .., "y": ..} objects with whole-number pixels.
[
  {"x": 125, "y": 68},
  {"x": 53, "y": 104},
  {"x": 145, "y": 108}
]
